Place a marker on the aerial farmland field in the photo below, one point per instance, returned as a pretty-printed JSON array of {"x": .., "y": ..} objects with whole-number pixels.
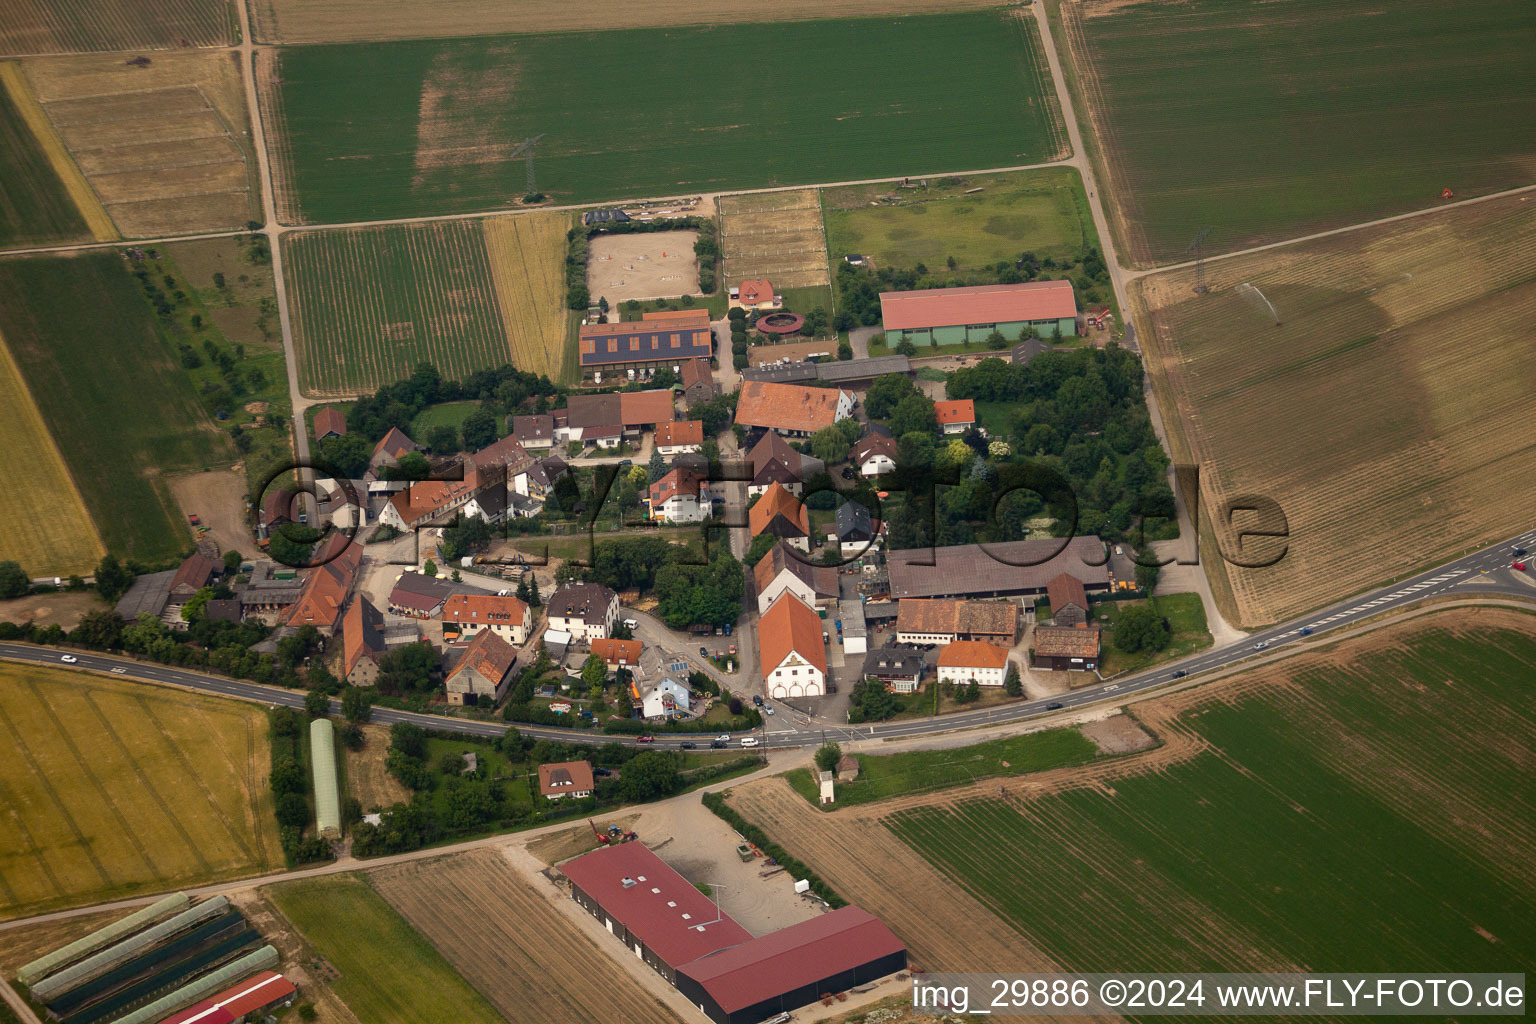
[
  {"x": 1376, "y": 384},
  {"x": 336, "y": 21},
  {"x": 369, "y": 304},
  {"x": 387, "y": 973},
  {"x": 527, "y": 257},
  {"x": 166, "y": 147},
  {"x": 1269, "y": 121},
  {"x": 35, "y": 207},
  {"x": 1350, "y": 807},
  {"x": 977, "y": 219},
  {"x": 62, "y": 26},
  {"x": 120, "y": 409},
  {"x": 428, "y": 127},
  {"x": 774, "y": 235},
  {"x": 115, "y": 788},
  {"x": 511, "y": 943}
]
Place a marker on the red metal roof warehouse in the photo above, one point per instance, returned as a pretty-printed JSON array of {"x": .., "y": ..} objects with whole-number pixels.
[{"x": 982, "y": 304}]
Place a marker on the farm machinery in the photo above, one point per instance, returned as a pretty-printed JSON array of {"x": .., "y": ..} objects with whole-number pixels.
[{"x": 613, "y": 836}]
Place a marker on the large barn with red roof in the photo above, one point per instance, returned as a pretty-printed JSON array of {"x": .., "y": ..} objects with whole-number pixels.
[
  {"x": 954, "y": 316},
  {"x": 730, "y": 976}
]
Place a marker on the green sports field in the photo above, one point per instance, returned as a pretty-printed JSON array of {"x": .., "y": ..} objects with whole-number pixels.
[
  {"x": 122, "y": 411},
  {"x": 428, "y": 127},
  {"x": 1273, "y": 120},
  {"x": 34, "y": 207},
  {"x": 1364, "y": 808}
]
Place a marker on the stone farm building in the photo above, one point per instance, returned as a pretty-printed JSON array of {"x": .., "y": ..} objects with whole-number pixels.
[
  {"x": 955, "y": 316},
  {"x": 469, "y": 613},
  {"x": 967, "y": 660},
  {"x": 639, "y": 347},
  {"x": 945, "y": 621},
  {"x": 711, "y": 959},
  {"x": 1066, "y": 648},
  {"x": 484, "y": 670},
  {"x": 1004, "y": 569}
]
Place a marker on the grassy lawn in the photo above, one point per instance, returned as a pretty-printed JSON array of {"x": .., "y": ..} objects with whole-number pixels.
[
  {"x": 1044, "y": 212},
  {"x": 370, "y": 135},
  {"x": 715, "y": 303},
  {"x": 803, "y": 300},
  {"x": 1353, "y": 812},
  {"x": 880, "y": 348},
  {"x": 123, "y": 411},
  {"x": 995, "y": 417},
  {"x": 1186, "y": 623},
  {"x": 387, "y": 973},
  {"x": 449, "y": 414},
  {"x": 887, "y": 775}
]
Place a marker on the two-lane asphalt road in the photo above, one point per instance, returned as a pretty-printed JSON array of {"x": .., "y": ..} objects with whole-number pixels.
[{"x": 1481, "y": 572}]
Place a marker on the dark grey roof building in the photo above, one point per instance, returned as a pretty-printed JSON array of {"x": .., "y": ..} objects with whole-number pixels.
[{"x": 995, "y": 570}]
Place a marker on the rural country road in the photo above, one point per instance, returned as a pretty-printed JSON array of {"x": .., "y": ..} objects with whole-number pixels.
[{"x": 1478, "y": 573}]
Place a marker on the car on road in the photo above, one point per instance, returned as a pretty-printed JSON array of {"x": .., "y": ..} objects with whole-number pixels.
[
  {"x": 625, "y": 463},
  {"x": 1261, "y": 645},
  {"x": 1519, "y": 552},
  {"x": 757, "y": 700},
  {"x": 749, "y": 741},
  {"x": 1517, "y": 565},
  {"x": 1306, "y": 630},
  {"x": 646, "y": 739},
  {"x": 119, "y": 671},
  {"x": 717, "y": 744},
  {"x": 1180, "y": 674},
  {"x": 724, "y": 737},
  {"x": 767, "y": 710},
  {"x": 703, "y": 652},
  {"x": 69, "y": 658},
  {"x": 687, "y": 745},
  {"x": 1055, "y": 705}
]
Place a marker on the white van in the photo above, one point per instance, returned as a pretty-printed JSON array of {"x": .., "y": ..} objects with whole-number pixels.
[{"x": 749, "y": 741}]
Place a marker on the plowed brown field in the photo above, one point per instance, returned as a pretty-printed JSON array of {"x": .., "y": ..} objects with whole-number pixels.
[
  {"x": 511, "y": 945},
  {"x": 1376, "y": 384}
]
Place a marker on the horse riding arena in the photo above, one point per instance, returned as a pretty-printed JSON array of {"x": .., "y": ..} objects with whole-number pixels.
[
  {"x": 654, "y": 265},
  {"x": 774, "y": 235}
]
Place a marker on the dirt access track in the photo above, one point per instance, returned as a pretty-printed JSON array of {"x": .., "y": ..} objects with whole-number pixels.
[{"x": 660, "y": 265}]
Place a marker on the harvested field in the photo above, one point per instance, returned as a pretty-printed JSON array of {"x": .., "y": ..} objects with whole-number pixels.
[
  {"x": 363, "y": 132},
  {"x": 121, "y": 410},
  {"x": 384, "y": 970},
  {"x": 47, "y": 528},
  {"x": 527, "y": 258},
  {"x": 658, "y": 265},
  {"x": 65, "y": 607},
  {"x": 1118, "y": 734},
  {"x": 1384, "y": 762},
  {"x": 295, "y": 21},
  {"x": 217, "y": 497},
  {"x": 1390, "y": 409},
  {"x": 774, "y": 235},
  {"x": 51, "y": 200},
  {"x": 166, "y": 147},
  {"x": 63, "y": 26},
  {"x": 369, "y": 304},
  {"x": 510, "y": 942},
  {"x": 1204, "y": 116},
  {"x": 368, "y": 778},
  {"x": 116, "y": 788}
]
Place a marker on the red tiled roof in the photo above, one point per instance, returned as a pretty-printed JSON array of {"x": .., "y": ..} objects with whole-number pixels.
[
  {"x": 194, "y": 572},
  {"x": 561, "y": 777},
  {"x": 393, "y": 445},
  {"x": 793, "y": 957},
  {"x": 360, "y": 633},
  {"x": 642, "y": 408},
  {"x": 696, "y": 371},
  {"x": 617, "y": 652},
  {"x": 680, "y": 432},
  {"x": 983, "y": 304},
  {"x": 1065, "y": 589},
  {"x": 786, "y": 406},
  {"x": 505, "y": 452},
  {"x": 1066, "y": 642},
  {"x": 822, "y": 579},
  {"x": 755, "y": 291},
  {"x": 777, "y": 501},
  {"x": 485, "y": 610},
  {"x": 681, "y": 480},
  {"x": 489, "y": 655},
  {"x": 671, "y": 921},
  {"x": 700, "y": 317},
  {"x": 961, "y": 410},
  {"x": 427, "y": 498},
  {"x": 972, "y": 654},
  {"x": 789, "y": 625},
  {"x": 330, "y": 420},
  {"x": 326, "y": 591}
]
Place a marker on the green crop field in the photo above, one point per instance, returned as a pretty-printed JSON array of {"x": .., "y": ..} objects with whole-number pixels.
[
  {"x": 1269, "y": 121},
  {"x": 1044, "y": 212},
  {"x": 401, "y": 129},
  {"x": 387, "y": 972},
  {"x": 370, "y": 304},
  {"x": 1359, "y": 808},
  {"x": 34, "y": 205},
  {"x": 121, "y": 410}
]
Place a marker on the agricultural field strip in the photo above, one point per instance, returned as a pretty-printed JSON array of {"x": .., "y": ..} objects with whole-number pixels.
[
  {"x": 777, "y": 236},
  {"x": 45, "y": 516},
  {"x": 525, "y": 254},
  {"x": 510, "y": 943},
  {"x": 85, "y": 200},
  {"x": 58, "y": 26}
]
